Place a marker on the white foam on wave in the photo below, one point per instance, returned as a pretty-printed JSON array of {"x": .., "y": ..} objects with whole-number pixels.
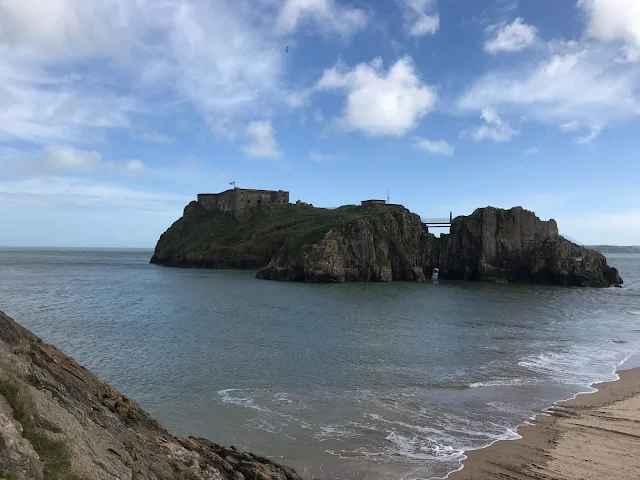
[
  {"x": 227, "y": 396},
  {"x": 334, "y": 432},
  {"x": 283, "y": 397},
  {"x": 442, "y": 442},
  {"x": 420, "y": 448},
  {"x": 545, "y": 364},
  {"x": 633, "y": 312},
  {"x": 507, "y": 382},
  {"x": 582, "y": 366}
]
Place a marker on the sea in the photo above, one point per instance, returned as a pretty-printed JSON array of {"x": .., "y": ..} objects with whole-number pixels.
[{"x": 342, "y": 381}]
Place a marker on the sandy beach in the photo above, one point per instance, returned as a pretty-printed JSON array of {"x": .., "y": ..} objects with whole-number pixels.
[{"x": 593, "y": 436}]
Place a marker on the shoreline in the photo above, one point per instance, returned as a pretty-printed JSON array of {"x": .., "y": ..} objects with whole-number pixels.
[{"x": 576, "y": 438}]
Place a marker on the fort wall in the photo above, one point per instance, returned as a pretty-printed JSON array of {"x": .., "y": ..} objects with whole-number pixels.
[
  {"x": 237, "y": 200},
  {"x": 369, "y": 203}
]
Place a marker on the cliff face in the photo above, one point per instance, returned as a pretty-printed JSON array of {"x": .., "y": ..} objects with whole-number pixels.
[
  {"x": 392, "y": 245},
  {"x": 58, "y": 421},
  {"x": 516, "y": 246},
  {"x": 382, "y": 243}
]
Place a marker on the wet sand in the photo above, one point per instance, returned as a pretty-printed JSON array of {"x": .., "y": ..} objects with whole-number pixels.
[{"x": 593, "y": 436}]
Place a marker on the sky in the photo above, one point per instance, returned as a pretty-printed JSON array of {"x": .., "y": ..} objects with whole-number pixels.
[{"x": 115, "y": 114}]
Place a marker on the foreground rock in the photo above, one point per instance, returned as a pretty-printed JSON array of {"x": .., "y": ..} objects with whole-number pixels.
[
  {"x": 382, "y": 243},
  {"x": 57, "y": 420}
]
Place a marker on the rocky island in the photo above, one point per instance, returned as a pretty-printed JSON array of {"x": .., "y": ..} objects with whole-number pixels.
[
  {"x": 376, "y": 242},
  {"x": 58, "y": 421}
]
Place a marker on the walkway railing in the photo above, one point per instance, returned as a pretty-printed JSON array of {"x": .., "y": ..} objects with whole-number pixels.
[
  {"x": 436, "y": 220},
  {"x": 572, "y": 240}
]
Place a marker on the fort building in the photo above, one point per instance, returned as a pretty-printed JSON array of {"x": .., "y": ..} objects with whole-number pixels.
[
  {"x": 370, "y": 203},
  {"x": 236, "y": 200}
]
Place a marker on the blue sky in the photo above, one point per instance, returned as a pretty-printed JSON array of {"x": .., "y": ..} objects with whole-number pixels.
[{"x": 116, "y": 113}]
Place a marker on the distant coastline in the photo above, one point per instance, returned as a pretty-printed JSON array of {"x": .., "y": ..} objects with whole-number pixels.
[{"x": 615, "y": 248}]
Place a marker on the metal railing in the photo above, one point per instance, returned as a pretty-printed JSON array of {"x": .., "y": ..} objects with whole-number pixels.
[
  {"x": 436, "y": 220},
  {"x": 572, "y": 240}
]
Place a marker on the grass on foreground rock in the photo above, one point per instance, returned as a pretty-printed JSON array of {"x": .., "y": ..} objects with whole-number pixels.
[
  {"x": 6, "y": 474},
  {"x": 54, "y": 454}
]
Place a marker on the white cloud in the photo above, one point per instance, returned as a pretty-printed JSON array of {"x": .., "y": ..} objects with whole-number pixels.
[
  {"x": 611, "y": 20},
  {"x": 134, "y": 167},
  {"x": 216, "y": 59},
  {"x": 532, "y": 151},
  {"x": 153, "y": 137},
  {"x": 589, "y": 137},
  {"x": 40, "y": 107},
  {"x": 378, "y": 102},
  {"x": 629, "y": 54},
  {"x": 322, "y": 157},
  {"x": 439, "y": 147},
  {"x": 262, "y": 142},
  {"x": 226, "y": 129},
  {"x": 11, "y": 154},
  {"x": 66, "y": 157},
  {"x": 494, "y": 129},
  {"x": 572, "y": 126},
  {"x": 421, "y": 17},
  {"x": 574, "y": 81},
  {"x": 327, "y": 16},
  {"x": 297, "y": 99},
  {"x": 506, "y": 6},
  {"x": 54, "y": 159},
  {"x": 510, "y": 37},
  {"x": 60, "y": 191},
  {"x": 65, "y": 27}
]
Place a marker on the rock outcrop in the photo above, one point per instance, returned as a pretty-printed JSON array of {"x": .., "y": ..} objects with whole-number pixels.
[
  {"x": 57, "y": 420},
  {"x": 382, "y": 243},
  {"x": 516, "y": 246},
  {"x": 392, "y": 245}
]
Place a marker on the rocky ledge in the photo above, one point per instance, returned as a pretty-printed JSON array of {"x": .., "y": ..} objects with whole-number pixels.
[
  {"x": 381, "y": 243},
  {"x": 58, "y": 421}
]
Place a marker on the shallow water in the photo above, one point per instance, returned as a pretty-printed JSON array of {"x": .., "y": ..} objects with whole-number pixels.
[{"x": 352, "y": 381}]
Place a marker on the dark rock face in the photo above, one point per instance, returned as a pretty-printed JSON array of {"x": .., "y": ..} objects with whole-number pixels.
[
  {"x": 386, "y": 242},
  {"x": 382, "y": 248},
  {"x": 516, "y": 246},
  {"x": 107, "y": 435}
]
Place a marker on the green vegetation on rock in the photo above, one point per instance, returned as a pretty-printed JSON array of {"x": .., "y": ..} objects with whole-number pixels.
[
  {"x": 54, "y": 454},
  {"x": 381, "y": 243},
  {"x": 202, "y": 238},
  {"x": 6, "y": 474}
]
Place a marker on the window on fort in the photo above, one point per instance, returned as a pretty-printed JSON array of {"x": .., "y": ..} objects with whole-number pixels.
[
  {"x": 248, "y": 201},
  {"x": 259, "y": 202}
]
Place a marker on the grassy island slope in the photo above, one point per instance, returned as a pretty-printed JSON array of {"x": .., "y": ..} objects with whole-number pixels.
[
  {"x": 202, "y": 238},
  {"x": 381, "y": 243}
]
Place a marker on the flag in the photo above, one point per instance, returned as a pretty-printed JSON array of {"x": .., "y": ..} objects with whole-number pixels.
[{"x": 232, "y": 183}]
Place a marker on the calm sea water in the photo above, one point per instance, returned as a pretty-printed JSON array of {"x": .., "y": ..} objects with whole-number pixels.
[{"x": 353, "y": 381}]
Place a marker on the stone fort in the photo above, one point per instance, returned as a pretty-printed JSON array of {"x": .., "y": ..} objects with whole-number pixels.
[{"x": 236, "y": 200}]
